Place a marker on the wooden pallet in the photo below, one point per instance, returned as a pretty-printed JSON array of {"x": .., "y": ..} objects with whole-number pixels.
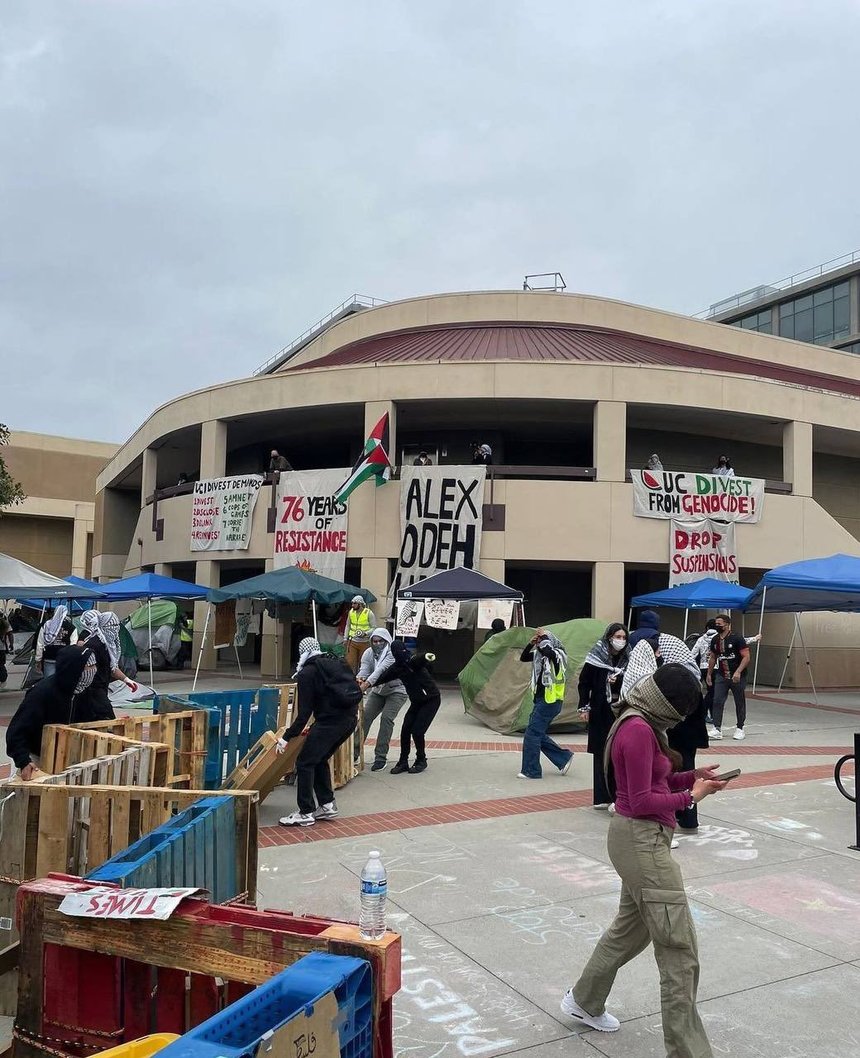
[
  {"x": 65, "y": 746},
  {"x": 263, "y": 767},
  {"x": 289, "y": 697}
]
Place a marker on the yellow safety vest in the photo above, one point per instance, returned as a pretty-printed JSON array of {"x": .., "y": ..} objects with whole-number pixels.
[
  {"x": 359, "y": 622},
  {"x": 555, "y": 691}
]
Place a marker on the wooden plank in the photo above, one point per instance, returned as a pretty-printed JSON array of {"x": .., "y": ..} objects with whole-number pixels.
[
  {"x": 99, "y": 842},
  {"x": 263, "y": 768},
  {"x": 53, "y": 833}
]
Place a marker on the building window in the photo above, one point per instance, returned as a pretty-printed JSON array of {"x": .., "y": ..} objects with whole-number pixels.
[
  {"x": 854, "y": 347},
  {"x": 821, "y": 317},
  {"x": 757, "y": 321}
]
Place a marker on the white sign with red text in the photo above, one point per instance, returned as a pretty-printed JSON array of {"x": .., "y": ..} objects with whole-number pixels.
[
  {"x": 221, "y": 512},
  {"x": 104, "y": 902},
  {"x": 666, "y": 494},
  {"x": 702, "y": 548},
  {"x": 310, "y": 528}
]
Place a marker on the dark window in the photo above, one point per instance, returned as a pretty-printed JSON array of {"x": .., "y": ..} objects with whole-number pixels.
[
  {"x": 757, "y": 321},
  {"x": 821, "y": 317}
]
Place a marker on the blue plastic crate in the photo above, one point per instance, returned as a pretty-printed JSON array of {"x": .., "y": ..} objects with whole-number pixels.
[{"x": 237, "y": 1031}]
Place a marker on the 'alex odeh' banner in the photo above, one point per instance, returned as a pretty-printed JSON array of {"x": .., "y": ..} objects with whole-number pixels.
[
  {"x": 665, "y": 494},
  {"x": 702, "y": 548}
]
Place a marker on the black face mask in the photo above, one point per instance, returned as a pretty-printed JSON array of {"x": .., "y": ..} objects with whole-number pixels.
[{"x": 720, "y": 629}]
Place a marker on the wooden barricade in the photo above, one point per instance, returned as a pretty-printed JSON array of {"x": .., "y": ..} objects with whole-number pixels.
[
  {"x": 87, "y": 984},
  {"x": 65, "y": 746},
  {"x": 263, "y": 768}
]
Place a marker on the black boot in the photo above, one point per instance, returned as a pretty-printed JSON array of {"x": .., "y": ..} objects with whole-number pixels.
[
  {"x": 400, "y": 767},
  {"x": 419, "y": 765}
]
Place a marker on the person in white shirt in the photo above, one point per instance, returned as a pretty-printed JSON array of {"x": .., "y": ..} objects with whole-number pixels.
[{"x": 724, "y": 468}]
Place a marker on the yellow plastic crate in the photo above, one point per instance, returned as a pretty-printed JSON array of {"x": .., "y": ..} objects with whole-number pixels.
[{"x": 145, "y": 1047}]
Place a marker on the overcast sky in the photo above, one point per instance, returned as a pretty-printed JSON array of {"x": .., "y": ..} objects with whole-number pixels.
[{"x": 186, "y": 185}]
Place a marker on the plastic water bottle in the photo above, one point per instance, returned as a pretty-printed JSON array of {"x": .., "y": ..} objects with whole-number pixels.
[{"x": 374, "y": 889}]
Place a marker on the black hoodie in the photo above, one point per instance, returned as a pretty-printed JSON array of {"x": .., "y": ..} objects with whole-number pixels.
[{"x": 47, "y": 702}]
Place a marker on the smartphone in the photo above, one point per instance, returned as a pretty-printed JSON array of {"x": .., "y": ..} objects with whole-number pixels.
[{"x": 728, "y": 775}]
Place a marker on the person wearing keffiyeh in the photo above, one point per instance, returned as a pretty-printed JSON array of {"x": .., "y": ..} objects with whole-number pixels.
[
  {"x": 100, "y": 633},
  {"x": 548, "y": 660},
  {"x": 600, "y": 686},
  {"x": 57, "y": 632}
]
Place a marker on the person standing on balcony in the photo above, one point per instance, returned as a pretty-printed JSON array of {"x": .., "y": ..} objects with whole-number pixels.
[
  {"x": 654, "y": 463},
  {"x": 482, "y": 456},
  {"x": 730, "y": 656},
  {"x": 278, "y": 464},
  {"x": 360, "y": 622},
  {"x": 422, "y": 460},
  {"x": 548, "y": 660},
  {"x": 724, "y": 468}
]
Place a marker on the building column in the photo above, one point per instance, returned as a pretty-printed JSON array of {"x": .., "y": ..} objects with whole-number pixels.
[
  {"x": 208, "y": 575},
  {"x": 149, "y": 475},
  {"x": 213, "y": 449},
  {"x": 81, "y": 527},
  {"x": 607, "y": 591},
  {"x": 797, "y": 457},
  {"x": 374, "y": 577},
  {"x": 274, "y": 643},
  {"x": 610, "y": 440},
  {"x": 163, "y": 569}
]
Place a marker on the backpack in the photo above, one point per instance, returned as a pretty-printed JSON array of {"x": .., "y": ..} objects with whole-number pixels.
[{"x": 338, "y": 682}]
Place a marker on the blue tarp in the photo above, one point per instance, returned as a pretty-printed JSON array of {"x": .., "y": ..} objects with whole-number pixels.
[
  {"x": 817, "y": 584},
  {"x": 152, "y": 586},
  {"x": 705, "y": 594}
]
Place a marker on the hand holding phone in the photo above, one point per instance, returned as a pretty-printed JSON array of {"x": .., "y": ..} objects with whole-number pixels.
[{"x": 727, "y": 776}]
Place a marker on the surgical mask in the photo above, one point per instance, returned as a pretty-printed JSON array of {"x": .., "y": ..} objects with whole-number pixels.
[{"x": 618, "y": 643}]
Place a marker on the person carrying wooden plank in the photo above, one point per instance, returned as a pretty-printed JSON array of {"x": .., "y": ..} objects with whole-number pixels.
[{"x": 327, "y": 691}]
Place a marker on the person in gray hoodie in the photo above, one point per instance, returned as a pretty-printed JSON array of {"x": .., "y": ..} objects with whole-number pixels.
[{"x": 382, "y": 665}]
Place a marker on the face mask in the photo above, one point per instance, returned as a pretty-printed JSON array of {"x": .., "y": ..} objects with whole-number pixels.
[
  {"x": 377, "y": 646},
  {"x": 720, "y": 629},
  {"x": 618, "y": 644}
]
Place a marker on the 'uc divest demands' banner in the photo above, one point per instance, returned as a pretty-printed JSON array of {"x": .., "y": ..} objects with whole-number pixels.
[
  {"x": 702, "y": 548},
  {"x": 221, "y": 512},
  {"x": 665, "y": 494},
  {"x": 310, "y": 528},
  {"x": 441, "y": 514}
]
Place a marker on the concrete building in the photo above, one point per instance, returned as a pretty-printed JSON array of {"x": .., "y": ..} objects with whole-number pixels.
[
  {"x": 571, "y": 392},
  {"x": 53, "y": 528}
]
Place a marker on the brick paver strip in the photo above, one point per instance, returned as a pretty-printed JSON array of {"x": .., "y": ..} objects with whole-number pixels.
[
  {"x": 516, "y": 746},
  {"x": 375, "y": 823}
]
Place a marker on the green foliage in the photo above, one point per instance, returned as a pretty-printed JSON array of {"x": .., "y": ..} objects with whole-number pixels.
[{"x": 10, "y": 490}]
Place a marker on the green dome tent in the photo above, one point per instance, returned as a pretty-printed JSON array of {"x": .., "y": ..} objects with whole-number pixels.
[{"x": 495, "y": 684}]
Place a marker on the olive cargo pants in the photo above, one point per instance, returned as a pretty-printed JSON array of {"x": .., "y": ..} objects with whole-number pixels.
[{"x": 653, "y": 910}]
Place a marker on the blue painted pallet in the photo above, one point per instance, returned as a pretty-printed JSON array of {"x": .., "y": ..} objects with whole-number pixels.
[
  {"x": 237, "y": 719},
  {"x": 195, "y": 848},
  {"x": 238, "y": 1030}
]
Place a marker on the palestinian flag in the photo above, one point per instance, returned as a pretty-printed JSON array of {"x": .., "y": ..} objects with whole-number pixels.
[{"x": 372, "y": 463}]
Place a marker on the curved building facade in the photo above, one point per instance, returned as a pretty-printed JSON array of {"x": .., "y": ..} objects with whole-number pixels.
[{"x": 571, "y": 392}]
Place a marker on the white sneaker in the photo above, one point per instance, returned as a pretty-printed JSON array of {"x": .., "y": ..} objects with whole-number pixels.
[
  {"x": 715, "y": 735},
  {"x": 602, "y": 1022},
  {"x": 675, "y": 843},
  {"x": 297, "y": 819},
  {"x": 522, "y": 775},
  {"x": 602, "y": 808},
  {"x": 328, "y": 811},
  {"x": 612, "y": 809},
  {"x": 567, "y": 766},
  {"x": 739, "y": 735}
]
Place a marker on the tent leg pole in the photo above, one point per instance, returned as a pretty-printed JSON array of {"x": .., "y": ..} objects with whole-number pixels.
[
  {"x": 149, "y": 622},
  {"x": 629, "y": 618},
  {"x": 202, "y": 645},
  {"x": 238, "y": 662},
  {"x": 808, "y": 662},
  {"x": 788, "y": 655},
  {"x": 758, "y": 648},
  {"x": 314, "y": 612},
  {"x": 686, "y": 616}
]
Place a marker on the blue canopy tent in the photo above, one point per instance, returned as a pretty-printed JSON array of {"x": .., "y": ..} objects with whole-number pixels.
[
  {"x": 76, "y": 604},
  {"x": 151, "y": 586},
  {"x": 705, "y": 594},
  {"x": 831, "y": 583}
]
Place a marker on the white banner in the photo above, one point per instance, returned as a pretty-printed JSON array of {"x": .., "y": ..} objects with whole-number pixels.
[
  {"x": 310, "y": 528},
  {"x": 665, "y": 494},
  {"x": 408, "y": 619},
  {"x": 221, "y": 512},
  {"x": 702, "y": 548},
  {"x": 441, "y": 514},
  {"x": 104, "y": 902},
  {"x": 490, "y": 610},
  {"x": 442, "y": 613}
]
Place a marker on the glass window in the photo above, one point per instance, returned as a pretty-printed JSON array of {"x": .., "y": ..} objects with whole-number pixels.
[
  {"x": 757, "y": 321},
  {"x": 803, "y": 330},
  {"x": 841, "y": 318},
  {"x": 840, "y": 290},
  {"x": 786, "y": 327},
  {"x": 821, "y": 317},
  {"x": 823, "y": 297}
]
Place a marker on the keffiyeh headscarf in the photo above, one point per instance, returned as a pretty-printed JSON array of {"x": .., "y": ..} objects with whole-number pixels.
[
  {"x": 88, "y": 674},
  {"x": 543, "y": 671},
  {"x": 308, "y": 648},
  {"x": 643, "y": 661},
  {"x": 104, "y": 626},
  {"x": 53, "y": 627}
]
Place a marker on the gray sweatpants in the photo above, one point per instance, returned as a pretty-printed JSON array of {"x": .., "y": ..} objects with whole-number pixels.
[{"x": 388, "y": 705}]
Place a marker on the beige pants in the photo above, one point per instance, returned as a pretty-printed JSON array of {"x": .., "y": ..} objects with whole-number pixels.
[
  {"x": 653, "y": 910},
  {"x": 354, "y": 649}
]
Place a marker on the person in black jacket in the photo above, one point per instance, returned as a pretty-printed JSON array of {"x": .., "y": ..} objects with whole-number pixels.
[
  {"x": 599, "y": 689},
  {"x": 424, "y": 702},
  {"x": 327, "y": 691},
  {"x": 50, "y": 701},
  {"x": 688, "y": 736}
]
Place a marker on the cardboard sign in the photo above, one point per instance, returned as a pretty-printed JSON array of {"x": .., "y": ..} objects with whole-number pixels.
[
  {"x": 490, "y": 610},
  {"x": 221, "y": 512},
  {"x": 441, "y": 516},
  {"x": 101, "y": 902},
  {"x": 306, "y": 1034},
  {"x": 700, "y": 549},
  {"x": 408, "y": 619},
  {"x": 442, "y": 613},
  {"x": 310, "y": 528},
  {"x": 665, "y": 494}
]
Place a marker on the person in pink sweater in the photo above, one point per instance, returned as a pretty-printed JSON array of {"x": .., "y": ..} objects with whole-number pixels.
[{"x": 641, "y": 773}]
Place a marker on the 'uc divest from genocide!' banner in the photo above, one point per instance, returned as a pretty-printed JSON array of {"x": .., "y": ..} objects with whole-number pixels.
[
  {"x": 702, "y": 548},
  {"x": 441, "y": 514},
  {"x": 310, "y": 528},
  {"x": 221, "y": 512},
  {"x": 665, "y": 494}
]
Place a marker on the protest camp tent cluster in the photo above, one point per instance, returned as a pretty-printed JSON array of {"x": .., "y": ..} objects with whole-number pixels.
[
  {"x": 496, "y": 684},
  {"x": 22, "y": 582}
]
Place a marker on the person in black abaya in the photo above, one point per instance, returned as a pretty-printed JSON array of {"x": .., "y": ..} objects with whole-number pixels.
[{"x": 599, "y": 687}]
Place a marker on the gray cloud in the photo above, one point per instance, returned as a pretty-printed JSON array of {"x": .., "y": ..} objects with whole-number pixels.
[{"x": 185, "y": 186}]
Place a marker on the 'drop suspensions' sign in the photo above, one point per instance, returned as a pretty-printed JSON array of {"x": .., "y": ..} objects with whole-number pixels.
[
  {"x": 441, "y": 514},
  {"x": 310, "y": 528},
  {"x": 702, "y": 548},
  {"x": 221, "y": 512},
  {"x": 665, "y": 494}
]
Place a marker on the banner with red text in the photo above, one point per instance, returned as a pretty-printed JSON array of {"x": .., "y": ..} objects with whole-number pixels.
[
  {"x": 666, "y": 494},
  {"x": 221, "y": 512},
  {"x": 702, "y": 548},
  {"x": 310, "y": 527}
]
